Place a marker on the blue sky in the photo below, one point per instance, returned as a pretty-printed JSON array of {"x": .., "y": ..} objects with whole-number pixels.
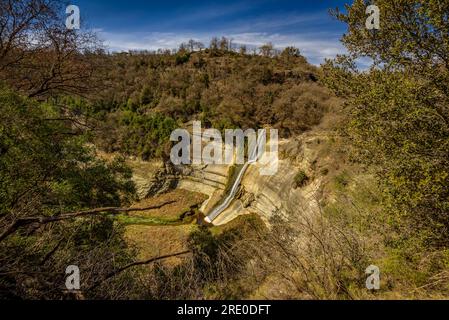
[{"x": 139, "y": 24}]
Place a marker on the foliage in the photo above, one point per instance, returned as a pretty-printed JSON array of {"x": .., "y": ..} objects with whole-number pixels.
[
  {"x": 222, "y": 88},
  {"x": 300, "y": 179},
  {"x": 145, "y": 135},
  {"x": 398, "y": 109},
  {"x": 40, "y": 56},
  {"x": 46, "y": 170}
]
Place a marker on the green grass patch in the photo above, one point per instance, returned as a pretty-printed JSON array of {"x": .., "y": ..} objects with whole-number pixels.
[
  {"x": 152, "y": 221},
  {"x": 342, "y": 180}
]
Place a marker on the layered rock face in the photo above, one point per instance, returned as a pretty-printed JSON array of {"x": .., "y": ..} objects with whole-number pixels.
[
  {"x": 267, "y": 196},
  {"x": 210, "y": 180},
  {"x": 273, "y": 195},
  {"x": 152, "y": 178}
]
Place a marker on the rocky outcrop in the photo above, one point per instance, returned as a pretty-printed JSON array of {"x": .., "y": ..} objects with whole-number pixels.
[
  {"x": 152, "y": 178},
  {"x": 210, "y": 180},
  {"x": 276, "y": 195},
  {"x": 267, "y": 196},
  {"x": 165, "y": 179}
]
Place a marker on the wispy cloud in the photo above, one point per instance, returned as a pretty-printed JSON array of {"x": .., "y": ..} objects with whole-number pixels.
[
  {"x": 315, "y": 47},
  {"x": 309, "y": 32},
  {"x": 280, "y": 22},
  {"x": 206, "y": 14}
]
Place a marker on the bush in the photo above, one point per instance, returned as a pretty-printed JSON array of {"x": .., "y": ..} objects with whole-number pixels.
[
  {"x": 341, "y": 180},
  {"x": 300, "y": 179},
  {"x": 398, "y": 111},
  {"x": 47, "y": 170}
]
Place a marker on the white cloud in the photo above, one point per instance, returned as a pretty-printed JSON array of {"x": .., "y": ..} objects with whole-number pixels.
[
  {"x": 315, "y": 49},
  {"x": 315, "y": 45}
]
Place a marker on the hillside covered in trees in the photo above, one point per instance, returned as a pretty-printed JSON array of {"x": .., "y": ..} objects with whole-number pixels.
[
  {"x": 147, "y": 95},
  {"x": 382, "y": 136}
]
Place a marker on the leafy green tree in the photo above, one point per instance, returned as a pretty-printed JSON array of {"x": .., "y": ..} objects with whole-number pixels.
[
  {"x": 399, "y": 109},
  {"x": 46, "y": 171}
]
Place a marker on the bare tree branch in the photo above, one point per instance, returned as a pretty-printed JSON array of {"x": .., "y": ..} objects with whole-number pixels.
[
  {"x": 134, "y": 264},
  {"x": 45, "y": 220}
]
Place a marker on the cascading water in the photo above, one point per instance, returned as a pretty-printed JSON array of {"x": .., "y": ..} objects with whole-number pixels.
[{"x": 253, "y": 157}]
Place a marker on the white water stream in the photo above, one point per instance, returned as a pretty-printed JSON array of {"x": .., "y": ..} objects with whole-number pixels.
[{"x": 253, "y": 157}]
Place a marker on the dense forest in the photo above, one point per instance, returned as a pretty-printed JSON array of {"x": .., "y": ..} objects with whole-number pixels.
[
  {"x": 147, "y": 94},
  {"x": 63, "y": 97}
]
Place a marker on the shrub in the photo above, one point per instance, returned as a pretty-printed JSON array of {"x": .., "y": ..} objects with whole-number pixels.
[
  {"x": 300, "y": 179},
  {"x": 341, "y": 180}
]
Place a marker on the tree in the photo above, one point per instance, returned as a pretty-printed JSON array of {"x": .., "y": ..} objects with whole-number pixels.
[
  {"x": 243, "y": 49},
  {"x": 399, "y": 110},
  {"x": 46, "y": 171},
  {"x": 291, "y": 52},
  {"x": 267, "y": 50},
  {"x": 38, "y": 55},
  {"x": 224, "y": 44},
  {"x": 194, "y": 45},
  {"x": 214, "y": 43}
]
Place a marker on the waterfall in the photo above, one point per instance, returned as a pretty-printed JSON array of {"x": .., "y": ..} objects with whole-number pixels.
[{"x": 254, "y": 155}]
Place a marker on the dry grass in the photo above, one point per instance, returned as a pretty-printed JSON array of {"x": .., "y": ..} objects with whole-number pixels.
[
  {"x": 158, "y": 240},
  {"x": 154, "y": 241},
  {"x": 184, "y": 200}
]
